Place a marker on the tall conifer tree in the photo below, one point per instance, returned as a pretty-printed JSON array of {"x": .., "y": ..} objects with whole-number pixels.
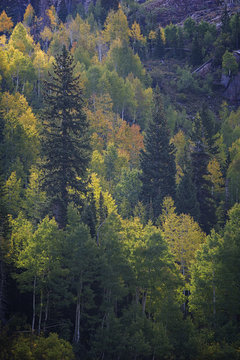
[
  {"x": 157, "y": 161},
  {"x": 200, "y": 159},
  {"x": 186, "y": 197},
  {"x": 66, "y": 143}
]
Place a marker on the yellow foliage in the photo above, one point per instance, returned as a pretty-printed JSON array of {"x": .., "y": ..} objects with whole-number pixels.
[
  {"x": 182, "y": 233},
  {"x": 163, "y": 36},
  {"x": 28, "y": 15},
  {"x": 180, "y": 143},
  {"x": 116, "y": 26},
  {"x": 3, "y": 40},
  {"x": 97, "y": 189},
  {"x": 152, "y": 35},
  {"x": 40, "y": 60},
  {"x": 6, "y": 23},
  {"x": 215, "y": 175},
  {"x": 130, "y": 142},
  {"x": 4, "y": 63},
  {"x": 46, "y": 34},
  {"x": 16, "y": 107},
  {"x": 21, "y": 40},
  {"x": 135, "y": 33},
  {"x": 52, "y": 15}
]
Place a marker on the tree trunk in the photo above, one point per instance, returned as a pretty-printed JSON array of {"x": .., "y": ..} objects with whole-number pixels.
[
  {"x": 144, "y": 301},
  {"x": 137, "y": 296},
  {"x": 76, "y": 337},
  {"x": 214, "y": 298},
  {"x": 34, "y": 304},
  {"x": 227, "y": 193},
  {"x": 77, "y": 321},
  {"x": 40, "y": 314},
  {"x": 46, "y": 313},
  {"x": 2, "y": 288},
  {"x": 17, "y": 81}
]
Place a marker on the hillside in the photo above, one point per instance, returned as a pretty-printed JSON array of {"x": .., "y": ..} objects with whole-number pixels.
[
  {"x": 167, "y": 11},
  {"x": 119, "y": 180}
]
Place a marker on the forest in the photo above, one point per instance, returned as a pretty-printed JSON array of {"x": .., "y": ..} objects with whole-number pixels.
[{"x": 119, "y": 183}]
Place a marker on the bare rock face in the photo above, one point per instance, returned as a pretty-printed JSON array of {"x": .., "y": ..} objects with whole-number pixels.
[{"x": 232, "y": 92}]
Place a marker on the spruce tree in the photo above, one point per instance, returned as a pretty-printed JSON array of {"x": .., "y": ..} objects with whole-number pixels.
[
  {"x": 159, "y": 45},
  {"x": 200, "y": 159},
  {"x": 208, "y": 123},
  {"x": 186, "y": 197},
  {"x": 196, "y": 52},
  {"x": 65, "y": 141},
  {"x": 157, "y": 162}
]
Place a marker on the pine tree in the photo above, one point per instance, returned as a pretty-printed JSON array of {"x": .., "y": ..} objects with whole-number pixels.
[
  {"x": 157, "y": 161},
  {"x": 65, "y": 145}
]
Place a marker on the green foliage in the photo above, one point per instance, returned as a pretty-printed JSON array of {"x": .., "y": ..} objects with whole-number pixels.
[
  {"x": 127, "y": 191},
  {"x": 20, "y": 143},
  {"x": 229, "y": 64},
  {"x": 36, "y": 348},
  {"x": 187, "y": 81},
  {"x": 122, "y": 58}
]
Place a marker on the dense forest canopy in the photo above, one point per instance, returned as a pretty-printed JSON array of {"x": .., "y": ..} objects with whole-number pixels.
[{"x": 119, "y": 181}]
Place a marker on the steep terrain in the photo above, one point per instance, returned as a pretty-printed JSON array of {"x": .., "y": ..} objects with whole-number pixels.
[{"x": 167, "y": 11}]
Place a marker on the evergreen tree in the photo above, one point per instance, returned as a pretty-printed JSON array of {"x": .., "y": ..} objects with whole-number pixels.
[
  {"x": 196, "y": 52},
  {"x": 157, "y": 161},
  {"x": 186, "y": 197},
  {"x": 209, "y": 124},
  {"x": 200, "y": 160},
  {"x": 65, "y": 145},
  {"x": 225, "y": 21},
  {"x": 89, "y": 216},
  {"x": 159, "y": 45}
]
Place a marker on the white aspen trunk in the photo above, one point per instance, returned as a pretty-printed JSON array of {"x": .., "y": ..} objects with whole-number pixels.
[
  {"x": 137, "y": 296},
  {"x": 39, "y": 82},
  {"x": 226, "y": 190},
  {"x": 122, "y": 112},
  {"x": 98, "y": 230},
  {"x": 71, "y": 37},
  {"x": 46, "y": 313},
  {"x": 103, "y": 320},
  {"x": 76, "y": 337},
  {"x": 40, "y": 313},
  {"x": 34, "y": 304},
  {"x": 77, "y": 322},
  {"x": 144, "y": 301},
  {"x": 183, "y": 272},
  {"x": 100, "y": 53},
  {"x": 17, "y": 81},
  {"x": 214, "y": 298},
  {"x": 109, "y": 296},
  {"x": 2, "y": 288}
]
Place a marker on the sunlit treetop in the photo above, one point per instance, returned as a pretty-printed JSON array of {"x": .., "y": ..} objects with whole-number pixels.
[{"x": 6, "y": 23}]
